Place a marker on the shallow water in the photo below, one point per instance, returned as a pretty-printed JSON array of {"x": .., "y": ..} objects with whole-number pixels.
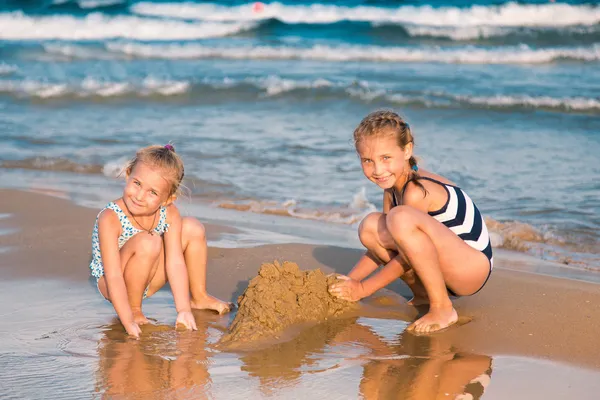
[
  {"x": 261, "y": 103},
  {"x": 70, "y": 347}
]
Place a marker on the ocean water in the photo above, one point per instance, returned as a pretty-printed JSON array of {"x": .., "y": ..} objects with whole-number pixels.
[{"x": 261, "y": 99}]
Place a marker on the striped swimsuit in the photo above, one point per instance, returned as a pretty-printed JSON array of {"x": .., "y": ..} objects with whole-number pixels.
[{"x": 462, "y": 217}]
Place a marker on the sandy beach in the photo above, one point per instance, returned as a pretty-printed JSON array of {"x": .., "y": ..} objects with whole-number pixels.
[
  {"x": 525, "y": 325},
  {"x": 260, "y": 101}
]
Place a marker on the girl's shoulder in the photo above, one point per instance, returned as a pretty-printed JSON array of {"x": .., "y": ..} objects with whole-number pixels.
[
  {"x": 427, "y": 193},
  {"x": 434, "y": 178},
  {"x": 171, "y": 213},
  {"x": 111, "y": 214},
  {"x": 109, "y": 219}
]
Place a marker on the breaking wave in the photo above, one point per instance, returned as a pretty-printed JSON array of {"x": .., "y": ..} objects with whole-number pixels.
[
  {"x": 510, "y": 14},
  {"x": 463, "y": 55},
  {"x": 18, "y": 26},
  {"x": 253, "y": 89}
]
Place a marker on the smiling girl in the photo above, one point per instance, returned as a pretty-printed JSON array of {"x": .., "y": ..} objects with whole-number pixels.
[
  {"x": 140, "y": 241},
  {"x": 430, "y": 233}
]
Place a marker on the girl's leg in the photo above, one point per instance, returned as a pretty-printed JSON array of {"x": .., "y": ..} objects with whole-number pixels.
[
  {"x": 140, "y": 260},
  {"x": 193, "y": 243},
  {"x": 440, "y": 259},
  {"x": 193, "y": 237},
  {"x": 375, "y": 236}
]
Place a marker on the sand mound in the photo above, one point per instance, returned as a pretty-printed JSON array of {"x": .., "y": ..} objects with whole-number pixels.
[{"x": 279, "y": 297}]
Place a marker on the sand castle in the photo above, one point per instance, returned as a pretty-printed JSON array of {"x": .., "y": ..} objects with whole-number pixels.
[{"x": 280, "y": 296}]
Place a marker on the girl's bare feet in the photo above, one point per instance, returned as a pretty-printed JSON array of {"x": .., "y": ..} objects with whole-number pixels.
[
  {"x": 208, "y": 302},
  {"x": 436, "y": 319},
  {"x": 138, "y": 317}
]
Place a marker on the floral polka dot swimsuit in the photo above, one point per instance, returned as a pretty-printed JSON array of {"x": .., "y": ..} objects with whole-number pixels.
[{"x": 127, "y": 232}]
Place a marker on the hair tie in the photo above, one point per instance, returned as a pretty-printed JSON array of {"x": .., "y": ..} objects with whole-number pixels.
[
  {"x": 415, "y": 168},
  {"x": 170, "y": 147}
]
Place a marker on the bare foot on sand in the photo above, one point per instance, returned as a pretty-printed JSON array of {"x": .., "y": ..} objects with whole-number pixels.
[
  {"x": 209, "y": 302},
  {"x": 138, "y": 317},
  {"x": 436, "y": 319}
]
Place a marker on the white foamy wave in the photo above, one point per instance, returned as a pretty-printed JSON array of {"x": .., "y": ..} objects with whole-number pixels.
[
  {"x": 487, "y": 32},
  {"x": 91, "y": 87},
  {"x": 17, "y": 26},
  {"x": 274, "y": 85},
  {"x": 361, "y": 202},
  {"x": 115, "y": 168},
  {"x": 566, "y": 103},
  {"x": 444, "y": 100},
  {"x": 290, "y": 208},
  {"x": 73, "y": 51},
  {"x": 6, "y": 69},
  {"x": 463, "y": 55},
  {"x": 510, "y": 14}
]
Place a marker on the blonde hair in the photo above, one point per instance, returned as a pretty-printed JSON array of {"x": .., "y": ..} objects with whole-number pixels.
[
  {"x": 163, "y": 158},
  {"x": 388, "y": 123},
  {"x": 384, "y": 123}
]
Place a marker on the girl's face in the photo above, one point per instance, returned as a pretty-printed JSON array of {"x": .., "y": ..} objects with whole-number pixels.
[
  {"x": 146, "y": 190},
  {"x": 383, "y": 161}
]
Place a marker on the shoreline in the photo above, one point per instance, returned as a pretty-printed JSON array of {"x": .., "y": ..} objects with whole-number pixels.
[
  {"x": 268, "y": 223},
  {"x": 517, "y": 313}
]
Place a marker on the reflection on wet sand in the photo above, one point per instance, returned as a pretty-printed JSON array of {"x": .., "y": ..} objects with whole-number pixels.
[
  {"x": 408, "y": 367},
  {"x": 164, "y": 363},
  {"x": 281, "y": 365},
  {"x": 421, "y": 368}
]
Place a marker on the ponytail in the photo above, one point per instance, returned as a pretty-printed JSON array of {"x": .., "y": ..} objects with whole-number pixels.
[{"x": 413, "y": 176}]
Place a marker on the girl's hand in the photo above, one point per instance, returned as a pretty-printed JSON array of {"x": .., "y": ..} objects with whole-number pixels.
[
  {"x": 186, "y": 318},
  {"x": 349, "y": 289},
  {"x": 133, "y": 329}
]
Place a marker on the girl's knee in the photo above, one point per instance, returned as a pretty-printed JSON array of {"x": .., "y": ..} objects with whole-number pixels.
[
  {"x": 193, "y": 229},
  {"x": 401, "y": 219},
  {"x": 368, "y": 229}
]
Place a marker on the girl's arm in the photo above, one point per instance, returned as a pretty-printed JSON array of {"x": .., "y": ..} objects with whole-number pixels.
[
  {"x": 413, "y": 197},
  {"x": 175, "y": 263},
  {"x": 368, "y": 262},
  {"x": 109, "y": 230},
  {"x": 363, "y": 268},
  {"x": 355, "y": 289}
]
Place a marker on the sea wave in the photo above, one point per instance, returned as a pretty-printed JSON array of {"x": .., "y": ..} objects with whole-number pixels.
[
  {"x": 534, "y": 34},
  {"x": 90, "y": 87},
  {"x": 541, "y": 102},
  {"x": 7, "y": 69},
  {"x": 522, "y": 54},
  {"x": 509, "y": 14},
  {"x": 18, "y": 26},
  {"x": 349, "y": 214},
  {"x": 258, "y": 88},
  {"x": 517, "y": 55},
  {"x": 52, "y": 164},
  {"x": 498, "y": 102},
  {"x": 544, "y": 243}
]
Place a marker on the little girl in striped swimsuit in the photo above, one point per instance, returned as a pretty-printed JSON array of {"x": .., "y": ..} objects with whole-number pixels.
[
  {"x": 140, "y": 241},
  {"x": 430, "y": 233}
]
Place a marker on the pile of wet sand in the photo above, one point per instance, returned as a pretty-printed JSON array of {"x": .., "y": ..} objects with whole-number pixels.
[{"x": 280, "y": 296}]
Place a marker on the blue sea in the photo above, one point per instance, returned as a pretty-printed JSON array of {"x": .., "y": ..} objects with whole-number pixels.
[{"x": 261, "y": 99}]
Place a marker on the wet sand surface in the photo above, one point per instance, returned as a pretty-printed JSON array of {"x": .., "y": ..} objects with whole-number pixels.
[{"x": 530, "y": 337}]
